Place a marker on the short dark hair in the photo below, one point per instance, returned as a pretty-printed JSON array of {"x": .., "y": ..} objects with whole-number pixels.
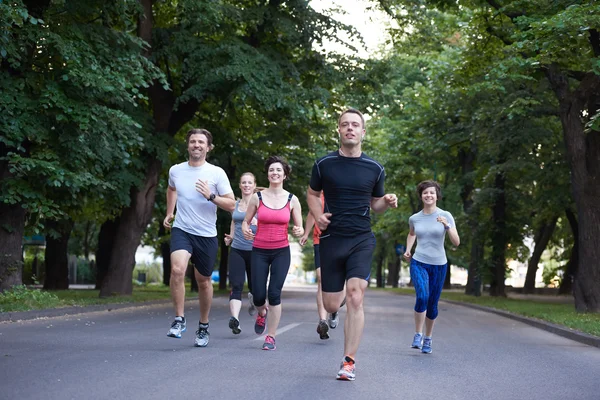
[
  {"x": 200, "y": 131},
  {"x": 427, "y": 184},
  {"x": 353, "y": 111},
  {"x": 287, "y": 170}
]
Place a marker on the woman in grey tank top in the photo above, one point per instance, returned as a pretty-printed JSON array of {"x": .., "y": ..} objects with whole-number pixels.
[
  {"x": 429, "y": 263},
  {"x": 239, "y": 256}
]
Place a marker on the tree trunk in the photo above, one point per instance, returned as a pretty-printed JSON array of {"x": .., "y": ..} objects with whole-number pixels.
[
  {"x": 474, "y": 278},
  {"x": 106, "y": 237},
  {"x": 499, "y": 240},
  {"x": 131, "y": 225},
  {"x": 223, "y": 224},
  {"x": 165, "y": 252},
  {"x": 541, "y": 239},
  {"x": 447, "y": 284},
  {"x": 393, "y": 272},
  {"x": 189, "y": 272},
  {"x": 466, "y": 158},
  {"x": 379, "y": 273},
  {"x": 566, "y": 284},
  {"x": 57, "y": 258},
  {"x": 583, "y": 154},
  {"x": 12, "y": 226}
]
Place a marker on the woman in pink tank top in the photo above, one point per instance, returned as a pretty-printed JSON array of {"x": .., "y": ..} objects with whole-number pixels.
[{"x": 271, "y": 249}]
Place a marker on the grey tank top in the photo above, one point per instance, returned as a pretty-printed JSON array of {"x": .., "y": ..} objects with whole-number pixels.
[{"x": 239, "y": 242}]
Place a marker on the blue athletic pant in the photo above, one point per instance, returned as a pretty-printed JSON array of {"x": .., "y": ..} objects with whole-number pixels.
[{"x": 428, "y": 281}]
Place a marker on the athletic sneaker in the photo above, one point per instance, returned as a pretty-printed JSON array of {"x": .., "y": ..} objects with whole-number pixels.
[
  {"x": 202, "y": 336},
  {"x": 426, "y": 346},
  {"x": 269, "y": 343},
  {"x": 333, "y": 319},
  {"x": 417, "y": 341},
  {"x": 251, "y": 307},
  {"x": 347, "y": 371},
  {"x": 234, "y": 325},
  {"x": 261, "y": 322},
  {"x": 323, "y": 329},
  {"x": 177, "y": 328}
]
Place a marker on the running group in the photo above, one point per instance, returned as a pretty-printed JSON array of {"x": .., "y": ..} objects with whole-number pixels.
[{"x": 345, "y": 186}]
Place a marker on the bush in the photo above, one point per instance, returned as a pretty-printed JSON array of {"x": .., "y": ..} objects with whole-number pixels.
[
  {"x": 20, "y": 298},
  {"x": 153, "y": 273}
]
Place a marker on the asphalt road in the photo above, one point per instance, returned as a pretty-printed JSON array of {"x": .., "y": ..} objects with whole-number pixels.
[{"x": 125, "y": 354}]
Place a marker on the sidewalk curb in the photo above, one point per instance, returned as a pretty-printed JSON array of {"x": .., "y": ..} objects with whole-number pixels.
[{"x": 563, "y": 331}]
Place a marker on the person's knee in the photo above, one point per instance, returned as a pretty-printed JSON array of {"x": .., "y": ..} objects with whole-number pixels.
[
  {"x": 178, "y": 272},
  {"x": 204, "y": 282},
  {"x": 432, "y": 312}
]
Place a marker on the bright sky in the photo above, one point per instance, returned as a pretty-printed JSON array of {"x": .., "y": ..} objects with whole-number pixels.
[{"x": 370, "y": 23}]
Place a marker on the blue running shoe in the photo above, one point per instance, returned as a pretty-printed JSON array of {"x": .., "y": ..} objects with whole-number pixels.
[
  {"x": 417, "y": 341},
  {"x": 177, "y": 328},
  {"x": 426, "y": 346}
]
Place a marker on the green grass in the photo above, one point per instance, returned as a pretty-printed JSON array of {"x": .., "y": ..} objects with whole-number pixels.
[
  {"x": 21, "y": 298},
  {"x": 549, "y": 310}
]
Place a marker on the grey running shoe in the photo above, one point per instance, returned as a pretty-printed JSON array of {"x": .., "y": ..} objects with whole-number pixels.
[
  {"x": 417, "y": 341},
  {"x": 323, "y": 329},
  {"x": 426, "y": 346},
  {"x": 177, "y": 328},
  {"x": 202, "y": 336},
  {"x": 347, "y": 371},
  {"x": 333, "y": 319},
  {"x": 234, "y": 325},
  {"x": 251, "y": 307},
  {"x": 269, "y": 343}
]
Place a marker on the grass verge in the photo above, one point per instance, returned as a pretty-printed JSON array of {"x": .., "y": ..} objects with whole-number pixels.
[
  {"x": 543, "y": 308},
  {"x": 21, "y": 298}
]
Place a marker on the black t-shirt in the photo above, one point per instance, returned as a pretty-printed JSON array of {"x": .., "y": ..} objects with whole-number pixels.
[{"x": 348, "y": 185}]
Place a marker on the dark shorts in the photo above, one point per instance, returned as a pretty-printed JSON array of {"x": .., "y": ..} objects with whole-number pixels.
[
  {"x": 317, "y": 256},
  {"x": 343, "y": 258},
  {"x": 202, "y": 249}
]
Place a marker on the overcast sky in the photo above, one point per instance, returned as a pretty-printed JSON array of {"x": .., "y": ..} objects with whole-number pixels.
[{"x": 371, "y": 24}]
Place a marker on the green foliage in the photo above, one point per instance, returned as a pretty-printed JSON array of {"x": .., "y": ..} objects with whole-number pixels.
[
  {"x": 153, "y": 273},
  {"x": 20, "y": 298},
  {"x": 70, "y": 86}
]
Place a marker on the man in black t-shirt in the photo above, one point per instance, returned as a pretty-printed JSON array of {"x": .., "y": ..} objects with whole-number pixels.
[{"x": 352, "y": 183}]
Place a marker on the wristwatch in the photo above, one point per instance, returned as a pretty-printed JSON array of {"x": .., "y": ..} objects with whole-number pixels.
[
  {"x": 446, "y": 227},
  {"x": 211, "y": 197}
]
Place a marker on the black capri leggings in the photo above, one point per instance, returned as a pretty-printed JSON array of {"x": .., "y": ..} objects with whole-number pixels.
[
  {"x": 279, "y": 262},
  {"x": 239, "y": 268}
]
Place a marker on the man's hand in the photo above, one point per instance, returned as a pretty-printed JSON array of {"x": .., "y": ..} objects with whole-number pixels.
[
  {"x": 228, "y": 239},
  {"x": 167, "y": 221},
  {"x": 323, "y": 221},
  {"x": 391, "y": 200},
  {"x": 203, "y": 188}
]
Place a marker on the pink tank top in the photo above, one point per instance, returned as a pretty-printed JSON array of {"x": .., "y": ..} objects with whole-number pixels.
[{"x": 272, "y": 229}]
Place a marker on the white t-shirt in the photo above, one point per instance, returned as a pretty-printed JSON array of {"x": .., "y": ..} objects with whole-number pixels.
[{"x": 195, "y": 214}]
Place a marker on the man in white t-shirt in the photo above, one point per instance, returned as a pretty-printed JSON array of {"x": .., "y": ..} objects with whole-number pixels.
[{"x": 197, "y": 188}]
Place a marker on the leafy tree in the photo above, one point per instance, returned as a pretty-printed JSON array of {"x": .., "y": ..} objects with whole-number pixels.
[{"x": 69, "y": 81}]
